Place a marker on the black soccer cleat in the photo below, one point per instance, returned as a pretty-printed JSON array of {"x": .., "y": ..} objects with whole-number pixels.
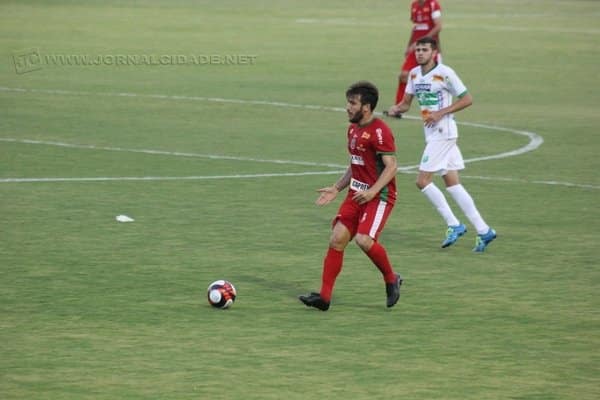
[
  {"x": 314, "y": 300},
  {"x": 393, "y": 291}
]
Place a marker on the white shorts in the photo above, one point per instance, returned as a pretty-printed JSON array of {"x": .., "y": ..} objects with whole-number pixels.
[{"x": 442, "y": 156}]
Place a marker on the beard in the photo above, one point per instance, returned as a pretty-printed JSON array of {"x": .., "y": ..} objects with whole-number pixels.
[{"x": 356, "y": 118}]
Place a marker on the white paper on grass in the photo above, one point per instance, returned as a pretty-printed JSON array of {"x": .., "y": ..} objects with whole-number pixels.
[{"x": 124, "y": 218}]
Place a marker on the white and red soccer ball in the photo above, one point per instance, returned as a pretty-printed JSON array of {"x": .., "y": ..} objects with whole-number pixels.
[{"x": 221, "y": 294}]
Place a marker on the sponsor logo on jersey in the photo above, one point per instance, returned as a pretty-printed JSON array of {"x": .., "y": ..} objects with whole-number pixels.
[
  {"x": 358, "y": 186},
  {"x": 365, "y": 135},
  {"x": 438, "y": 78},
  {"x": 379, "y": 133},
  {"x": 357, "y": 160},
  {"x": 422, "y": 87},
  {"x": 427, "y": 99},
  {"x": 353, "y": 142}
]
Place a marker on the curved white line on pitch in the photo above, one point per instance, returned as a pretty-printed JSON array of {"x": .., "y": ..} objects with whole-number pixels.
[
  {"x": 249, "y": 176},
  {"x": 169, "y": 153},
  {"x": 409, "y": 170},
  {"x": 165, "y": 178},
  {"x": 535, "y": 140}
]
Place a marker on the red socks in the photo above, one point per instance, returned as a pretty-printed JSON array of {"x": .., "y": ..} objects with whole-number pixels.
[
  {"x": 378, "y": 255},
  {"x": 332, "y": 265},
  {"x": 400, "y": 92}
]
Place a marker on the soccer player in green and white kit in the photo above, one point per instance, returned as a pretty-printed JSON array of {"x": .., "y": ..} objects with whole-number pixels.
[{"x": 434, "y": 85}]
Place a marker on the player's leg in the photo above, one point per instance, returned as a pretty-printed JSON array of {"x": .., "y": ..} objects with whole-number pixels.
[
  {"x": 332, "y": 263},
  {"x": 344, "y": 228},
  {"x": 435, "y": 159},
  {"x": 464, "y": 200},
  {"x": 402, "y": 80},
  {"x": 409, "y": 63},
  {"x": 485, "y": 234},
  {"x": 436, "y": 197},
  {"x": 374, "y": 218}
]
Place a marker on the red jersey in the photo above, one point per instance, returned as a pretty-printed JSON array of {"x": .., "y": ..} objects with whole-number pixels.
[
  {"x": 423, "y": 17},
  {"x": 366, "y": 146}
]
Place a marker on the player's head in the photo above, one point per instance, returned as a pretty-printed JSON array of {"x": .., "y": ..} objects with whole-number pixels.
[
  {"x": 428, "y": 40},
  {"x": 425, "y": 50},
  {"x": 362, "y": 98}
]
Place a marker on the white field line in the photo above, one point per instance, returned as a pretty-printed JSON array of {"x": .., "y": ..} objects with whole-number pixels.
[
  {"x": 272, "y": 175},
  {"x": 537, "y": 182},
  {"x": 534, "y": 139},
  {"x": 534, "y": 142},
  {"x": 517, "y": 180},
  {"x": 492, "y": 28},
  {"x": 170, "y": 153},
  {"x": 457, "y": 27},
  {"x": 166, "y": 178}
]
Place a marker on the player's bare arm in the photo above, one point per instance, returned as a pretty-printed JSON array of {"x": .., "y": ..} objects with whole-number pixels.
[
  {"x": 328, "y": 194},
  {"x": 403, "y": 106},
  {"x": 388, "y": 173},
  {"x": 437, "y": 28}
]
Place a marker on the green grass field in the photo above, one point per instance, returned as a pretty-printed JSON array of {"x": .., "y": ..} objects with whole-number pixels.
[{"x": 218, "y": 164}]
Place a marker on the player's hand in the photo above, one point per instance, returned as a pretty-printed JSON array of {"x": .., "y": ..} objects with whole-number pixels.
[
  {"x": 432, "y": 118},
  {"x": 327, "y": 195},
  {"x": 363, "y": 197},
  {"x": 392, "y": 111}
]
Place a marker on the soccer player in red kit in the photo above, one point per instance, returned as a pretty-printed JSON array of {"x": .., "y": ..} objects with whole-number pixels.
[
  {"x": 371, "y": 182},
  {"x": 426, "y": 16}
]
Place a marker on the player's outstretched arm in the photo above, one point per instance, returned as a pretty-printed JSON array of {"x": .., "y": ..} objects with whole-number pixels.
[{"x": 328, "y": 194}]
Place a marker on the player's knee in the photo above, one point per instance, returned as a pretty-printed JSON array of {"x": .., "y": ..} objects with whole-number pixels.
[
  {"x": 422, "y": 183},
  {"x": 364, "y": 242},
  {"x": 337, "y": 242}
]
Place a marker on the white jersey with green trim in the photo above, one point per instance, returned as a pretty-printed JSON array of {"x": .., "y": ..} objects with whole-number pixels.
[{"x": 434, "y": 91}]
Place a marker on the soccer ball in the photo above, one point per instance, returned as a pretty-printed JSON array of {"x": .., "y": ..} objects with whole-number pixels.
[{"x": 221, "y": 294}]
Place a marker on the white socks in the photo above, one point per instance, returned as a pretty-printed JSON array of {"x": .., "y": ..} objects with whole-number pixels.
[
  {"x": 467, "y": 205},
  {"x": 464, "y": 201},
  {"x": 437, "y": 198}
]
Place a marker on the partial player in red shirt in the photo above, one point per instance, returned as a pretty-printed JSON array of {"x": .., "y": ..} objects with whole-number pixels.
[
  {"x": 426, "y": 16},
  {"x": 371, "y": 182}
]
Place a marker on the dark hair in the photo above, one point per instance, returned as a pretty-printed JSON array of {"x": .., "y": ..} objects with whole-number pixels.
[
  {"x": 430, "y": 40},
  {"x": 367, "y": 91}
]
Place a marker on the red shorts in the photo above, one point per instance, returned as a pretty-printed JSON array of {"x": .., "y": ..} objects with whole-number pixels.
[{"x": 367, "y": 219}]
